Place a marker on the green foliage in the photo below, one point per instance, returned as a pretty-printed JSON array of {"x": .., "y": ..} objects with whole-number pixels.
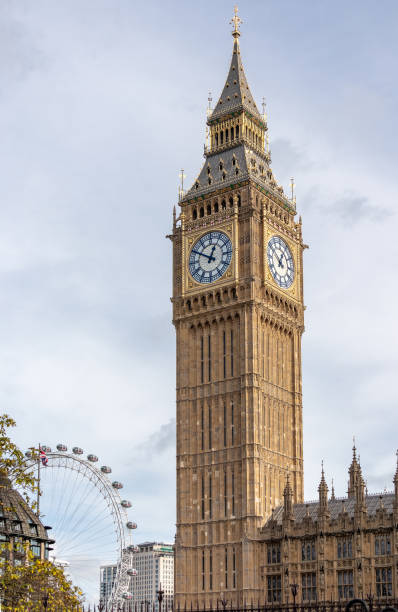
[
  {"x": 37, "y": 586},
  {"x": 12, "y": 462}
]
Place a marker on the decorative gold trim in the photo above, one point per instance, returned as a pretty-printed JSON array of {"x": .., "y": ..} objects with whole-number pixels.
[
  {"x": 294, "y": 288},
  {"x": 227, "y": 228}
]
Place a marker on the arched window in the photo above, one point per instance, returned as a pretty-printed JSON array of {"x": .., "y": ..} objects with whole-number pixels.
[
  {"x": 194, "y": 214},
  {"x": 221, "y": 165},
  {"x": 232, "y": 133},
  {"x": 238, "y": 200},
  {"x": 202, "y": 212},
  {"x": 216, "y": 140},
  {"x": 216, "y": 207},
  {"x": 231, "y": 202},
  {"x": 223, "y": 205},
  {"x": 237, "y": 131},
  {"x": 222, "y": 137},
  {"x": 208, "y": 209},
  {"x": 226, "y": 135}
]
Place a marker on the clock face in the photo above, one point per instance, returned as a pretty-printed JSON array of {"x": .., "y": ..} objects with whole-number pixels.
[
  {"x": 280, "y": 261},
  {"x": 210, "y": 257}
]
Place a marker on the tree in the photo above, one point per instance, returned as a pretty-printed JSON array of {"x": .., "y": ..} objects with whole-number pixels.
[
  {"x": 37, "y": 586},
  {"x": 12, "y": 462}
]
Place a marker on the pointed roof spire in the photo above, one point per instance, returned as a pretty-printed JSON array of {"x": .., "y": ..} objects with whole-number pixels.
[
  {"x": 333, "y": 496},
  {"x": 236, "y": 94}
]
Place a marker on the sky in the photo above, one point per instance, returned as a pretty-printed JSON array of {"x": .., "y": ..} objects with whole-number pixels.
[{"x": 101, "y": 104}]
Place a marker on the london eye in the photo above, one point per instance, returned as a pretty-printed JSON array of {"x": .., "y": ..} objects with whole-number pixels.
[{"x": 82, "y": 503}]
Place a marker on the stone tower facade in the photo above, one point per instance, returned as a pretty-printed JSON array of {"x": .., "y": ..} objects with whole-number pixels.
[{"x": 238, "y": 314}]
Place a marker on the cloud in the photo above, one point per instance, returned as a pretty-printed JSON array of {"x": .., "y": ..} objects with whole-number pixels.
[{"x": 353, "y": 208}]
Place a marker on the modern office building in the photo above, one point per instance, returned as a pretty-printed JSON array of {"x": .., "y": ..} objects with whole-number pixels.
[
  {"x": 154, "y": 563},
  {"x": 107, "y": 578}
]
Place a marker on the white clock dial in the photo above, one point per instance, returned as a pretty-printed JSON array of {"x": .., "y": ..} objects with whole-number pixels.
[
  {"x": 210, "y": 257},
  {"x": 280, "y": 262}
]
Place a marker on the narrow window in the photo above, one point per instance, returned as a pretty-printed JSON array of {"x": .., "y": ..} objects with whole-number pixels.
[
  {"x": 195, "y": 214},
  {"x": 216, "y": 140},
  {"x": 222, "y": 137},
  {"x": 210, "y": 497},
  {"x": 224, "y": 346},
  {"x": 226, "y": 135},
  {"x": 226, "y": 568},
  {"x": 225, "y": 424},
  {"x": 208, "y": 209},
  {"x": 202, "y": 359},
  {"x": 233, "y": 569},
  {"x": 232, "y": 133},
  {"x": 232, "y": 353},
  {"x": 231, "y": 202},
  {"x": 225, "y": 493},
  {"x": 202, "y": 212},
  {"x": 210, "y": 427},
  {"x": 203, "y": 497},
  {"x": 233, "y": 492},
  {"x": 202, "y": 428},
  {"x": 203, "y": 570},
  {"x": 237, "y": 131},
  {"x": 223, "y": 205},
  {"x": 232, "y": 424},
  {"x": 209, "y": 354},
  {"x": 216, "y": 207},
  {"x": 211, "y": 570}
]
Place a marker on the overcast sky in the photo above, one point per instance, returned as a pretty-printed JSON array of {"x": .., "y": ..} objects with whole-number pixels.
[{"x": 101, "y": 104}]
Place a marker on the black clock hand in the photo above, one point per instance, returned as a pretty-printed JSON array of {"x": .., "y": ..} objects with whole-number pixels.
[
  {"x": 280, "y": 261},
  {"x": 209, "y": 257}
]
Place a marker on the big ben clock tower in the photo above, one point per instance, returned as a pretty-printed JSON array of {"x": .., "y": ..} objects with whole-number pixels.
[{"x": 238, "y": 313}]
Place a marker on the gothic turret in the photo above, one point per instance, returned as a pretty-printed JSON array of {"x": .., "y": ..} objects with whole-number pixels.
[
  {"x": 395, "y": 481},
  {"x": 288, "y": 501},
  {"x": 355, "y": 475},
  {"x": 323, "y": 510}
]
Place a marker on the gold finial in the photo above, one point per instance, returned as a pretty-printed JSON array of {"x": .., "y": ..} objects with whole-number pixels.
[
  {"x": 264, "y": 111},
  {"x": 236, "y": 21},
  {"x": 181, "y": 187},
  {"x": 209, "y": 110},
  {"x": 292, "y": 186}
]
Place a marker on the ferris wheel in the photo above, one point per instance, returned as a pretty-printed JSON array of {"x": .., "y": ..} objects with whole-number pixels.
[{"x": 83, "y": 506}]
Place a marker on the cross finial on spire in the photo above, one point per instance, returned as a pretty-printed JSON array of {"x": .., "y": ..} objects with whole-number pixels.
[{"x": 236, "y": 21}]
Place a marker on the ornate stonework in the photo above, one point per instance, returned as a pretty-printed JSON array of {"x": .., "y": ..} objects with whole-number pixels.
[{"x": 239, "y": 406}]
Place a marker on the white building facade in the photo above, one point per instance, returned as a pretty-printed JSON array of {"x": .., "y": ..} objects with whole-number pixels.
[
  {"x": 154, "y": 563},
  {"x": 107, "y": 578}
]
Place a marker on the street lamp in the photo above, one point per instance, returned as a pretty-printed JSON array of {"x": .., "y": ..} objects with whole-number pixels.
[{"x": 160, "y": 593}]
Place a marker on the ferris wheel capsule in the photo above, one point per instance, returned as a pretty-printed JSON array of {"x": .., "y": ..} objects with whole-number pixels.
[
  {"x": 125, "y": 503},
  {"x": 133, "y": 549},
  {"x": 92, "y": 458},
  {"x": 105, "y": 469},
  {"x": 28, "y": 454},
  {"x": 62, "y": 447},
  {"x": 132, "y": 572},
  {"x": 131, "y": 525},
  {"x": 46, "y": 449},
  {"x": 117, "y": 485},
  {"x": 77, "y": 451}
]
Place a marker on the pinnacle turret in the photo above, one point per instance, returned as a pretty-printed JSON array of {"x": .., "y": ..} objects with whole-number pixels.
[
  {"x": 288, "y": 501},
  {"x": 323, "y": 510}
]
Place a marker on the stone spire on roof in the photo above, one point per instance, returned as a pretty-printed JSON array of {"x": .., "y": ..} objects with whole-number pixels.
[
  {"x": 333, "y": 496},
  {"x": 236, "y": 94},
  {"x": 288, "y": 501},
  {"x": 395, "y": 481},
  {"x": 355, "y": 474},
  {"x": 323, "y": 510}
]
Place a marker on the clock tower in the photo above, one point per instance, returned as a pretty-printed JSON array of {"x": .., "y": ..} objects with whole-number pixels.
[{"x": 238, "y": 314}]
